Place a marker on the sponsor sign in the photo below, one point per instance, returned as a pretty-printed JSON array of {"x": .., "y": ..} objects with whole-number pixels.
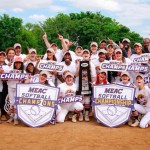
[
  {"x": 49, "y": 66},
  {"x": 113, "y": 103},
  {"x": 36, "y": 103}
]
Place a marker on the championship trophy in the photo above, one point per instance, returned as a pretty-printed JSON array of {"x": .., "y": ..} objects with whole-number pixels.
[{"x": 84, "y": 78}]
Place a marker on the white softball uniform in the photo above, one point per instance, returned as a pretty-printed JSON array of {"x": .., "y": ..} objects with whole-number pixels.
[
  {"x": 35, "y": 79},
  {"x": 12, "y": 89},
  {"x": 71, "y": 68},
  {"x": 64, "y": 108},
  {"x": 145, "y": 110},
  {"x": 58, "y": 55},
  {"x": 23, "y": 56}
]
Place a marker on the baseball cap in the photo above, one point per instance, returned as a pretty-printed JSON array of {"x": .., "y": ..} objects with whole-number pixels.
[
  {"x": 125, "y": 73},
  {"x": 79, "y": 47},
  {"x": 32, "y": 50},
  {"x": 102, "y": 51},
  {"x": 138, "y": 44},
  {"x": 86, "y": 50},
  {"x": 69, "y": 74},
  {"x": 118, "y": 50},
  {"x": 17, "y": 45},
  {"x": 126, "y": 39},
  {"x": 94, "y": 43},
  {"x": 28, "y": 63},
  {"x": 110, "y": 45},
  {"x": 103, "y": 41},
  {"x": 67, "y": 52},
  {"x": 140, "y": 75},
  {"x": 53, "y": 44},
  {"x": 50, "y": 50},
  {"x": 18, "y": 59},
  {"x": 44, "y": 72},
  {"x": 2, "y": 52}
]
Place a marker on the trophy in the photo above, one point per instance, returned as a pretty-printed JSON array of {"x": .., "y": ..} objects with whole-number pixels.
[{"x": 84, "y": 78}]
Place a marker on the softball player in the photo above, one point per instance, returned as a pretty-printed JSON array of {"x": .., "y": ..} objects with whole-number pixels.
[
  {"x": 68, "y": 88},
  {"x": 86, "y": 99},
  {"x": 18, "y": 67},
  {"x": 142, "y": 95}
]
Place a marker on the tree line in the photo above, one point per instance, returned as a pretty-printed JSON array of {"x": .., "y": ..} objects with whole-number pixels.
[{"x": 81, "y": 28}]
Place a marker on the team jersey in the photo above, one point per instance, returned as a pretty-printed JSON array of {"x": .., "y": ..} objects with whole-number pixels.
[
  {"x": 145, "y": 92},
  {"x": 65, "y": 91},
  {"x": 23, "y": 56},
  {"x": 58, "y": 55},
  {"x": 71, "y": 67}
]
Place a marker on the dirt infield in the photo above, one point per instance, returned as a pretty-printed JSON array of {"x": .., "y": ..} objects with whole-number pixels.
[{"x": 73, "y": 136}]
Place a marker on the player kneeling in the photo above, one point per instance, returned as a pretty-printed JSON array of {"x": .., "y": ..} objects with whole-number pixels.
[{"x": 68, "y": 90}]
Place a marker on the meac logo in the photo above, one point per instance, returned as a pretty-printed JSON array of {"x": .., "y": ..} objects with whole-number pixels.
[
  {"x": 36, "y": 106},
  {"x": 113, "y": 104}
]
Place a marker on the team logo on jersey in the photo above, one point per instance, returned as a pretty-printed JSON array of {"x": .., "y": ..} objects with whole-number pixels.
[
  {"x": 113, "y": 104},
  {"x": 36, "y": 103}
]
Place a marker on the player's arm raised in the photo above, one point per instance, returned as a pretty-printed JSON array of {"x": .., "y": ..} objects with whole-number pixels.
[
  {"x": 63, "y": 44},
  {"x": 48, "y": 45}
]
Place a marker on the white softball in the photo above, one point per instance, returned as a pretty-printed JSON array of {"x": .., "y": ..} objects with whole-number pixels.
[
  {"x": 35, "y": 110},
  {"x": 112, "y": 110}
]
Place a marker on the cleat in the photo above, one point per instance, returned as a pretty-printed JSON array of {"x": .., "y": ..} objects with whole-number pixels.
[
  {"x": 74, "y": 118},
  {"x": 87, "y": 118},
  {"x": 130, "y": 122},
  {"x": 135, "y": 124},
  {"x": 4, "y": 118},
  {"x": 10, "y": 120},
  {"x": 81, "y": 117},
  {"x": 16, "y": 122}
]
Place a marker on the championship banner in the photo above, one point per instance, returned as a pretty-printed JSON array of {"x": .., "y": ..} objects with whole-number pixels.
[
  {"x": 84, "y": 79},
  {"x": 36, "y": 103},
  {"x": 135, "y": 67},
  {"x": 112, "y": 66},
  {"x": 143, "y": 58},
  {"x": 113, "y": 104},
  {"x": 50, "y": 66},
  {"x": 70, "y": 99},
  {"x": 147, "y": 78},
  {"x": 14, "y": 76}
]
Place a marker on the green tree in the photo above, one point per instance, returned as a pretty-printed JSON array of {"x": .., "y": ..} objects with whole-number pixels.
[
  {"x": 88, "y": 26},
  {"x": 10, "y": 27}
]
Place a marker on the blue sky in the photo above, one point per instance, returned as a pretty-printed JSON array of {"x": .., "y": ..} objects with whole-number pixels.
[{"x": 134, "y": 14}]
